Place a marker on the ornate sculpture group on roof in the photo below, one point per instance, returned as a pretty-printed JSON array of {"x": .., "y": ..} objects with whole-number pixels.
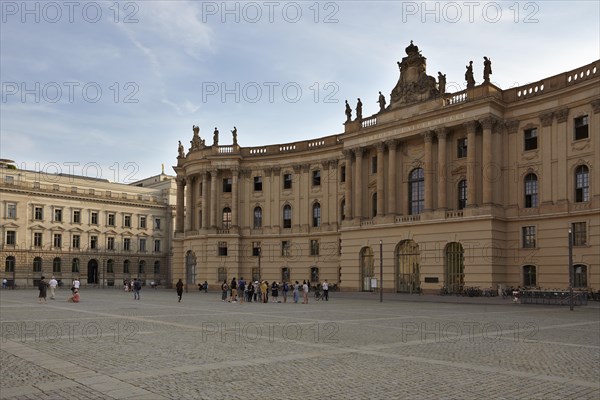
[
  {"x": 414, "y": 85},
  {"x": 197, "y": 142}
]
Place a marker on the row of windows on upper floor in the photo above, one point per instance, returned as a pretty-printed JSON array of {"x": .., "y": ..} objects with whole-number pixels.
[
  {"x": 10, "y": 265},
  {"x": 127, "y": 243},
  {"x": 530, "y": 142},
  {"x": 416, "y": 198},
  {"x": 10, "y": 212}
]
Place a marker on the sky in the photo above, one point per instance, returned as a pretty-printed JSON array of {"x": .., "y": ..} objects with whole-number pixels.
[{"x": 106, "y": 89}]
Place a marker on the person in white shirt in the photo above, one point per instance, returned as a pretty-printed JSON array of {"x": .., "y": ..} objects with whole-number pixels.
[
  {"x": 76, "y": 285},
  {"x": 326, "y": 290},
  {"x": 53, "y": 284}
]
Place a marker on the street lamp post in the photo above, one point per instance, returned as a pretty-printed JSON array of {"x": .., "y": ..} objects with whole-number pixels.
[
  {"x": 259, "y": 254},
  {"x": 381, "y": 271},
  {"x": 570, "y": 269}
]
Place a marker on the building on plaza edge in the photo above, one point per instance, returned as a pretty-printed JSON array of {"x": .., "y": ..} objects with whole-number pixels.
[
  {"x": 475, "y": 188},
  {"x": 78, "y": 227}
]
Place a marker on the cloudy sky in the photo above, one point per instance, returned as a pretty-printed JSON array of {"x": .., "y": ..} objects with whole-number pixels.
[{"x": 107, "y": 89}]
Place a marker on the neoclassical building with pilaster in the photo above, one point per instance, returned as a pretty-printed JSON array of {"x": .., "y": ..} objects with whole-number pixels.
[{"x": 483, "y": 187}]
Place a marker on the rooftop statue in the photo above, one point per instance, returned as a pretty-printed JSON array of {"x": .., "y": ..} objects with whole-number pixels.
[
  {"x": 442, "y": 83},
  {"x": 348, "y": 112},
  {"x": 216, "y": 137},
  {"x": 234, "y": 133},
  {"x": 197, "y": 142},
  {"x": 381, "y": 102},
  {"x": 359, "y": 110},
  {"x": 414, "y": 84},
  {"x": 180, "y": 150},
  {"x": 469, "y": 76},
  {"x": 487, "y": 69}
]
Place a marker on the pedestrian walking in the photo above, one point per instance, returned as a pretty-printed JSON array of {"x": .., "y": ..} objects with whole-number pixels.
[
  {"x": 264, "y": 288},
  {"x": 224, "y": 290},
  {"x": 233, "y": 289},
  {"x": 179, "y": 288},
  {"x": 275, "y": 291},
  {"x": 296, "y": 292},
  {"x": 43, "y": 287},
  {"x": 241, "y": 284},
  {"x": 285, "y": 291},
  {"x": 304, "y": 293},
  {"x": 76, "y": 284},
  {"x": 137, "y": 286},
  {"x": 53, "y": 284},
  {"x": 326, "y": 290}
]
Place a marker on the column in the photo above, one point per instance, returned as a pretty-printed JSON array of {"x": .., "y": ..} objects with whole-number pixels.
[
  {"x": 297, "y": 185},
  {"x": 348, "y": 185},
  {"x": 180, "y": 204},
  {"x": 380, "y": 180},
  {"x": 471, "y": 128},
  {"x": 545, "y": 142},
  {"x": 428, "y": 137},
  {"x": 486, "y": 159},
  {"x": 276, "y": 198},
  {"x": 391, "y": 193},
  {"x": 234, "y": 197},
  {"x": 442, "y": 170},
  {"x": 358, "y": 153},
  {"x": 213, "y": 197},
  {"x": 563, "y": 136},
  {"x": 325, "y": 180},
  {"x": 205, "y": 222},
  {"x": 268, "y": 194},
  {"x": 188, "y": 204}
]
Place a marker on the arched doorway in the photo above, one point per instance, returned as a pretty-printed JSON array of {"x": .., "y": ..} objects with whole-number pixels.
[
  {"x": 407, "y": 258},
  {"x": 190, "y": 268},
  {"x": 366, "y": 268},
  {"x": 92, "y": 271}
]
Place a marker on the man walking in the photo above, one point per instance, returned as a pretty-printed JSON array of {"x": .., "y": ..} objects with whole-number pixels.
[
  {"x": 137, "y": 286},
  {"x": 326, "y": 290},
  {"x": 53, "y": 284}
]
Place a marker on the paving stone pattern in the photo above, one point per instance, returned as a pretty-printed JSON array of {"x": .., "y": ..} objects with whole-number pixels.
[{"x": 110, "y": 346}]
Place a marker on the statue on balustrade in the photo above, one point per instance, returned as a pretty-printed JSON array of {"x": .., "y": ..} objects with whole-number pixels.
[
  {"x": 487, "y": 69},
  {"x": 180, "y": 150},
  {"x": 234, "y": 133},
  {"x": 348, "y": 112},
  {"x": 381, "y": 102},
  {"x": 469, "y": 76},
  {"x": 359, "y": 110},
  {"x": 216, "y": 137},
  {"x": 442, "y": 83}
]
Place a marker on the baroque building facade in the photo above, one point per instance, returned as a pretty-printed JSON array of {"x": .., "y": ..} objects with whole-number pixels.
[
  {"x": 77, "y": 227},
  {"x": 475, "y": 188}
]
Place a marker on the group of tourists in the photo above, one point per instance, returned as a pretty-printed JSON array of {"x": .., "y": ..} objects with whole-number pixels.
[
  {"x": 53, "y": 284},
  {"x": 239, "y": 291}
]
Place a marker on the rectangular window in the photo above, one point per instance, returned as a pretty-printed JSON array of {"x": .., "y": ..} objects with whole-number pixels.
[
  {"x": 142, "y": 246},
  {"x": 37, "y": 239},
  {"x": 126, "y": 244},
  {"x": 287, "y": 181},
  {"x": 314, "y": 247},
  {"x": 530, "y": 136},
  {"x": 93, "y": 242},
  {"x": 227, "y": 185},
  {"x": 57, "y": 240},
  {"x": 286, "y": 246},
  {"x": 581, "y": 128},
  {"x": 76, "y": 216},
  {"x": 94, "y": 218},
  {"x": 11, "y": 210},
  {"x": 11, "y": 238},
  {"x": 316, "y": 177},
  {"x": 461, "y": 148},
  {"x": 110, "y": 243},
  {"x": 111, "y": 219},
  {"x": 223, "y": 249},
  {"x": 529, "y": 237},
  {"x": 579, "y": 230},
  {"x": 127, "y": 221},
  {"x": 374, "y": 164},
  {"x": 258, "y": 183},
  {"x": 58, "y": 215},
  {"x": 38, "y": 213},
  {"x": 76, "y": 241},
  {"x": 142, "y": 222},
  {"x": 256, "y": 249},
  {"x": 343, "y": 174},
  {"x": 157, "y": 246},
  {"x": 157, "y": 224}
]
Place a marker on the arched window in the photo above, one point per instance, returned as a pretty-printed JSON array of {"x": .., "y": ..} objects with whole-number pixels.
[
  {"x": 374, "y": 205},
  {"x": 316, "y": 212},
  {"x": 531, "y": 191},
  {"x": 582, "y": 184},
  {"x": 56, "y": 265},
  {"x": 287, "y": 216},
  {"x": 579, "y": 276},
  {"x": 75, "y": 265},
  {"x": 9, "y": 265},
  {"x": 110, "y": 267},
  {"x": 257, "y": 217},
  {"x": 126, "y": 266},
  {"x": 141, "y": 267},
  {"x": 226, "y": 218},
  {"x": 416, "y": 191},
  {"x": 157, "y": 267},
  {"x": 37, "y": 264},
  {"x": 462, "y": 194},
  {"x": 529, "y": 276}
]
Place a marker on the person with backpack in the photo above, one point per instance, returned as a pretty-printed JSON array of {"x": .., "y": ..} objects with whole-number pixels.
[
  {"x": 224, "y": 290},
  {"x": 285, "y": 290},
  {"x": 43, "y": 287},
  {"x": 241, "y": 285},
  {"x": 137, "y": 286},
  {"x": 179, "y": 288},
  {"x": 233, "y": 289}
]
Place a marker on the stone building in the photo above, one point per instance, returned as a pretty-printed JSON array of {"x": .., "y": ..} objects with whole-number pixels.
[
  {"x": 475, "y": 188},
  {"x": 73, "y": 226}
]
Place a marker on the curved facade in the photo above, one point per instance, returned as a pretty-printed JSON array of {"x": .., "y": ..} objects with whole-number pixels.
[{"x": 476, "y": 188}]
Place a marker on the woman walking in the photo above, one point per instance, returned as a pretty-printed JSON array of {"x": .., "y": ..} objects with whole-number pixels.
[
  {"x": 224, "y": 290},
  {"x": 304, "y": 293},
  {"x": 179, "y": 287},
  {"x": 43, "y": 287},
  {"x": 296, "y": 292}
]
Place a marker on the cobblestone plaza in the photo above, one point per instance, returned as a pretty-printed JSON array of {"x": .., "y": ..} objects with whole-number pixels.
[{"x": 413, "y": 347}]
